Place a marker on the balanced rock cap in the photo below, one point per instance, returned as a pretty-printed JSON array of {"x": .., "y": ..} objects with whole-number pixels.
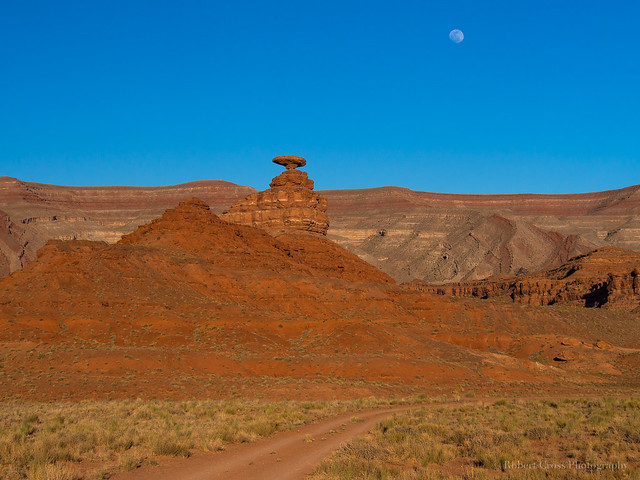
[{"x": 289, "y": 161}]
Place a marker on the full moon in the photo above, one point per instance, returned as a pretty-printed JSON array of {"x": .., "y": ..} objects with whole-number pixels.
[{"x": 456, "y": 36}]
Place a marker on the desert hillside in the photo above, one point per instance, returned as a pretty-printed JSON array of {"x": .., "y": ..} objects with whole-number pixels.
[
  {"x": 32, "y": 213},
  {"x": 189, "y": 304},
  {"x": 407, "y": 234}
]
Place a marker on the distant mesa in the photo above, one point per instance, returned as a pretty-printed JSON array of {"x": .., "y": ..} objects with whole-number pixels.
[{"x": 289, "y": 206}]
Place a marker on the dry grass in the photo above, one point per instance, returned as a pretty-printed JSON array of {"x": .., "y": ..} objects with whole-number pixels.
[
  {"x": 55, "y": 441},
  {"x": 532, "y": 439}
]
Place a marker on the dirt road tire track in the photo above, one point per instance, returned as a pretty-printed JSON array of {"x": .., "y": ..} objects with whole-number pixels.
[{"x": 285, "y": 456}]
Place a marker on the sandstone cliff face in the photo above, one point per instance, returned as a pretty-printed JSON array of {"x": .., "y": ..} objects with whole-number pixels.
[
  {"x": 290, "y": 205},
  {"x": 607, "y": 277},
  {"x": 7, "y": 245},
  {"x": 14, "y": 246}
]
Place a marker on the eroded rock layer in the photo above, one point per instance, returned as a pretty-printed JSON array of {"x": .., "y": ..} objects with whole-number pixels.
[
  {"x": 607, "y": 277},
  {"x": 191, "y": 306},
  {"x": 290, "y": 205}
]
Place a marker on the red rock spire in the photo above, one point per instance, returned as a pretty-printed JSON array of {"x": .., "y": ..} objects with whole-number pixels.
[{"x": 290, "y": 205}]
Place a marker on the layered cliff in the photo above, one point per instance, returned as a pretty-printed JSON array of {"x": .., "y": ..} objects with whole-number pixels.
[
  {"x": 290, "y": 205},
  {"x": 607, "y": 277},
  {"x": 439, "y": 237},
  {"x": 190, "y": 305}
]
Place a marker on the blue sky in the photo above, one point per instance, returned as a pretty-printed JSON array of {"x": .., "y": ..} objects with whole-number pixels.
[{"x": 540, "y": 96}]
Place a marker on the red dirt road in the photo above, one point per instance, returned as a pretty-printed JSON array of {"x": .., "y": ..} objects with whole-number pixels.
[{"x": 284, "y": 456}]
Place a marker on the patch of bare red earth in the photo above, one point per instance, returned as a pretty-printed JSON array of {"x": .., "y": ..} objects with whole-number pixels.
[{"x": 191, "y": 306}]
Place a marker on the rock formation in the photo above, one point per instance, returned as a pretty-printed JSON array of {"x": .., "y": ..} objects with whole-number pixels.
[
  {"x": 201, "y": 306},
  {"x": 12, "y": 245},
  {"x": 290, "y": 162},
  {"x": 433, "y": 237},
  {"x": 290, "y": 205},
  {"x": 607, "y": 277}
]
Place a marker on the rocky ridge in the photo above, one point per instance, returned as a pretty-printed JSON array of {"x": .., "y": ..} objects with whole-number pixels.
[
  {"x": 607, "y": 277},
  {"x": 290, "y": 205},
  {"x": 190, "y": 305}
]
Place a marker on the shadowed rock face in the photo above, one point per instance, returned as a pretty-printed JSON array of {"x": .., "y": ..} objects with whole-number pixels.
[
  {"x": 607, "y": 277},
  {"x": 290, "y": 205},
  {"x": 12, "y": 245}
]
